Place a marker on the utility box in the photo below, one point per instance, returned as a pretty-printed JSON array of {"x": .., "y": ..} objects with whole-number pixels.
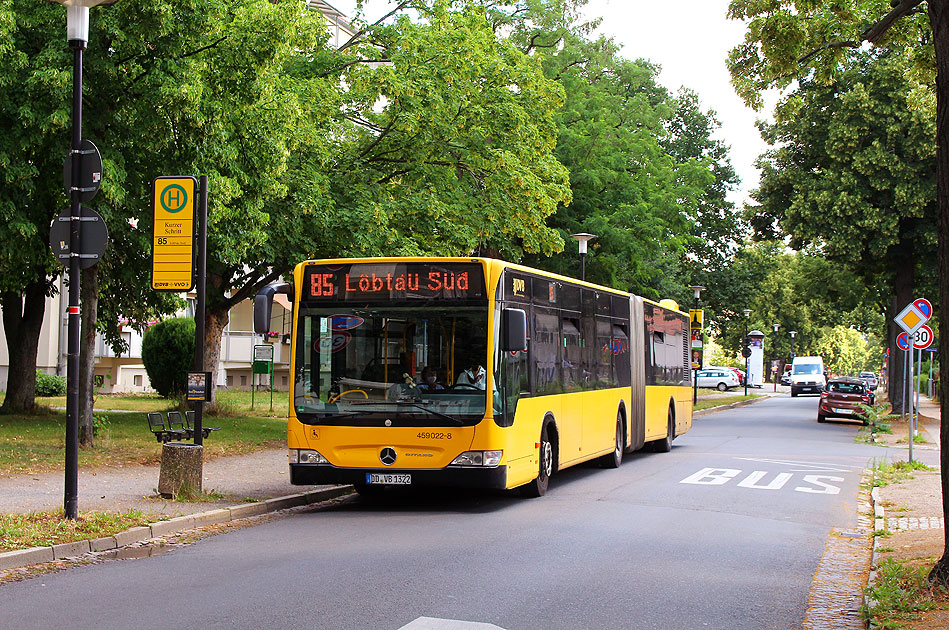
[{"x": 756, "y": 360}]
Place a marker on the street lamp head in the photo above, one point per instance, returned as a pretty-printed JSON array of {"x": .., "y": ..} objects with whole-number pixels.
[
  {"x": 747, "y": 312},
  {"x": 792, "y": 333},
  {"x": 77, "y": 17},
  {"x": 583, "y": 237},
  {"x": 775, "y": 327},
  {"x": 697, "y": 289}
]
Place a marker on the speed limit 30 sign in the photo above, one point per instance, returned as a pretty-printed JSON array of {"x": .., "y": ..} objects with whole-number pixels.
[{"x": 923, "y": 338}]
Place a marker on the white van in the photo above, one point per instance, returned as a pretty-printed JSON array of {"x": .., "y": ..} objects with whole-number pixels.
[{"x": 807, "y": 375}]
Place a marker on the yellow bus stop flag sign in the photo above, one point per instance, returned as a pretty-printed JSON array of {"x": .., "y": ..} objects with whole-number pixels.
[{"x": 173, "y": 233}]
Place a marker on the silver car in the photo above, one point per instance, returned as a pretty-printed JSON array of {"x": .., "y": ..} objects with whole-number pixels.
[
  {"x": 720, "y": 379},
  {"x": 871, "y": 379}
]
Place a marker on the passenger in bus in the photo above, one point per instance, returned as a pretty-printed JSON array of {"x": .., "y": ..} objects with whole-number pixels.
[
  {"x": 474, "y": 376},
  {"x": 430, "y": 380}
]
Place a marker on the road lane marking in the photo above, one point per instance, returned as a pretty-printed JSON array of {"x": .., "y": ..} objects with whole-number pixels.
[
  {"x": 722, "y": 476},
  {"x": 806, "y": 466},
  {"x": 433, "y": 623}
]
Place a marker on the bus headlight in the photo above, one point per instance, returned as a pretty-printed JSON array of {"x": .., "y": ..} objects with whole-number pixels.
[
  {"x": 304, "y": 456},
  {"x": 478, "y": 458}
]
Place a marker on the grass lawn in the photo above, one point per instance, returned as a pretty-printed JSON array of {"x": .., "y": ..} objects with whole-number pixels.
[
  {"x": 42, "y": 529},
  {"x": 722, "y": 400},
  {"x": 34, "y": 443}
]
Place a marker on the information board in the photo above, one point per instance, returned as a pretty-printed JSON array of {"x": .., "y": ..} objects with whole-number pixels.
[{"x": 173, "y": 233}]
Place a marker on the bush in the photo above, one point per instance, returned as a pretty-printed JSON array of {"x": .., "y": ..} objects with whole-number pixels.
[
  {"x": 50, "y": 384},
  {"x": 168, "y": 354}
]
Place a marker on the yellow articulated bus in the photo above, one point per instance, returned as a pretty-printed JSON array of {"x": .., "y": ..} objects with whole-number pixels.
[{"x": 473, "y": 372}]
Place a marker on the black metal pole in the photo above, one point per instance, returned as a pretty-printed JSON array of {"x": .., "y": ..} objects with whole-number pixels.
[
  {"x": 745, "y": 341},
  {"x": 70, "y": 498},
  {"x": 199, "y": 307},
  {"x": 695, "y": 371},
  {"x": 583, "y": 266}
]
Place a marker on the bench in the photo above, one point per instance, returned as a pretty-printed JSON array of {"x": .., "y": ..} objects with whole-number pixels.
[
  {"x": 162, "y": 432},
  {"x": 189, "y": 423}
]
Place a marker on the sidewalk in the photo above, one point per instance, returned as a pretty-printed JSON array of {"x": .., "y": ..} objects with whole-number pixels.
[
  {"x": 250, "y": 485},
  {"x": 911, "y": 511}
]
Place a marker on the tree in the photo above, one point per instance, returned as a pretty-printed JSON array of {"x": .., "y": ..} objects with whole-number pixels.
[
  {"x": 645, "y": 175},
  {"x": 787, "y": 40},
  {"x": 853, "y": 174},
  {"x": 167, "y": 353}
]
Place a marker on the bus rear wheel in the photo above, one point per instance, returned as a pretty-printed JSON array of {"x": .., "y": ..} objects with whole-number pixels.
[
  {"x": 665, "y": 445},
  {"x": 614, "y": 459},
  {"x": 538, "y": 487}
]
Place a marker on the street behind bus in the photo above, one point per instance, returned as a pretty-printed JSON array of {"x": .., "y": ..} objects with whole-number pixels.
[{"x": 726, "y": 531}]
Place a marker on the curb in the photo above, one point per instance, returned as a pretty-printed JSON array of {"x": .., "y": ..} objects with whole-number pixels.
[
  {"x": 42, "y": 555},
  {"x": 879, "y": 522},
  {"x": 740, "y": 403}
]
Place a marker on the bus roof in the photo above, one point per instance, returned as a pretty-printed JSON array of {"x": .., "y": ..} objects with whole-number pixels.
[{"x": 490, "y": 262}]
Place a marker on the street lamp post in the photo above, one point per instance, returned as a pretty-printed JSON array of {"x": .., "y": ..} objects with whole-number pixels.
[
  {"x": 746, "y": 351},
  {"x": 792, "y": 333},
  {"x": 774, "y": 356},
  {"x": 582, "y": 238},
  {"x": 77, "y": 33},
  {"x": 697, "y": 291}
]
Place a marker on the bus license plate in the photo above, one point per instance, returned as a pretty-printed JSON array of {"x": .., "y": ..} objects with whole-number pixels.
[{"x": 389, "y": 479}]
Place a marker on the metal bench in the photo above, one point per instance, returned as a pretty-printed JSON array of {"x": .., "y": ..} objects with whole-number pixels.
[
  {"x": 189, "y": 425},
  {"x": 163, "y": 433}
]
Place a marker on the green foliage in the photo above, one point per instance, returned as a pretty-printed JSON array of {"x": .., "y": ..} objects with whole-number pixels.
[
  {"x": 878, "y": 418},
  {"x": 168, "y": 354},
  {"x": 886, "y": 473},
  {"x": 645, "y": 174},
  {"x": 50, "y": 384},
  {"x": 898, "y": 594},
  {"x": 854, "y": 169}
]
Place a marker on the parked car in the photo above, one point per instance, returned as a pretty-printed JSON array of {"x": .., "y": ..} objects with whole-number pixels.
[
  {"x": 739, "y": 374},
  {"x": 721, "y": 379},
  {"x": 842, "y": 399},
  {"x": 786, "y": 377},
  {"x": 871, "y": 380}
]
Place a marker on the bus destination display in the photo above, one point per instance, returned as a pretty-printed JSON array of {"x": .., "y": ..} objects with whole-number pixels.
[{"x": 393, "y": 281}]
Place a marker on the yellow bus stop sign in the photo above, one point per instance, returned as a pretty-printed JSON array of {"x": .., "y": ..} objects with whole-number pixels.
[{"x": 173, "y": 233}]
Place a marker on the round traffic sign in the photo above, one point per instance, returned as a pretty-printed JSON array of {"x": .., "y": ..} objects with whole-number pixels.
[
  {"x": 923, "y": 337},
  {"x": 93, "y": 237},
  {"x": 902, "y": 341},
  {"x": 925, "y": 306},
  {"x": 90, "y": 171}
]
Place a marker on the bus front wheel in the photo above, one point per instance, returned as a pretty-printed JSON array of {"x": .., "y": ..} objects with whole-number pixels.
[{"x": 538, "y": 487}]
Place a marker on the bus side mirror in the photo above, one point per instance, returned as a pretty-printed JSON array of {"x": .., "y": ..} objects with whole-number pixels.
[
  {"x": 513, "y": 330},
  {"x": 263, "y": 305}
]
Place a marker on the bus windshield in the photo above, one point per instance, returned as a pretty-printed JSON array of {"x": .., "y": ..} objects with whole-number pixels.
[{"x": 404, "y": 365}]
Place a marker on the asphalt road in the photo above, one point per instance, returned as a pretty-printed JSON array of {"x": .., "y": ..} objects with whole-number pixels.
[{"x": 725, "y": 531}]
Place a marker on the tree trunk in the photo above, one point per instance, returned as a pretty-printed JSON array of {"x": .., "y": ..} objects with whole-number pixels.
[
  {"x": 89, "y": 290},
  {"x": 22, "y": 322},
  {"x": 939, "y": 19},
  {"x": 903, "y": 288},
  {"x": 215, "y": 321}
]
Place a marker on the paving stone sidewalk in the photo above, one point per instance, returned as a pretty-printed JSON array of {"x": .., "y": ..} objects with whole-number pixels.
[{"x": 239, "y": 478}]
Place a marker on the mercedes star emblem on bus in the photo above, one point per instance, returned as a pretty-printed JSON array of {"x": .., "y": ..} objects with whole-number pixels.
[{"x": 387, "y": 456}]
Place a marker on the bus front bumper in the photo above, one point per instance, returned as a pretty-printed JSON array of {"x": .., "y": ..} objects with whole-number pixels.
[{"x": 452, "y": 476}]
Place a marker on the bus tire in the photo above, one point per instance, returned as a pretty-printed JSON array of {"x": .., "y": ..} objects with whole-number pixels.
[
  {"x": 665, "y": 445},
  {"x": 538, "y": 487},
  {"x": 614, "y": 459}
]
